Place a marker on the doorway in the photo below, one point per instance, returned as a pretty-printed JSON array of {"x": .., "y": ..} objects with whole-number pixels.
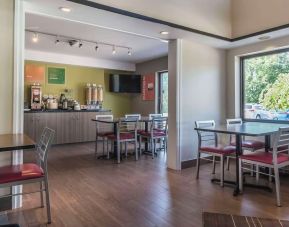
[{"x": 163, "y": 92}]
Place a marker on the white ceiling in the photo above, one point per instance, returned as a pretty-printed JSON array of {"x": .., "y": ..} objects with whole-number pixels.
[
  {"x": 142, "y": 48},
  {"x": 124, "y": 24}
]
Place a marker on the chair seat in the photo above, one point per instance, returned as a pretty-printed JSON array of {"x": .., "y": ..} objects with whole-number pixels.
[
  {"x": 104, "y": 134},
  {"x": 123, "y": 136},
  {"x": 265, "y": 157},
  {"x": 27, "y": 171},
  {"x": 220, "y": 149},
  {"x": 251, "y": 144},
  {"x": 155, "y": 134}
]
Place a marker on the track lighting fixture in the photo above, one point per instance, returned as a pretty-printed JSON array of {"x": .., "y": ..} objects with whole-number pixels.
[
  {"x": 35, "y": 38},
  {"x": 113, "y": 50},
  {"x": 76, "y": 42}
]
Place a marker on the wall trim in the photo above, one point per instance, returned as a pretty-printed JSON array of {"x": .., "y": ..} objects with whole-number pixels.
[{"x": 173, "y": 25}]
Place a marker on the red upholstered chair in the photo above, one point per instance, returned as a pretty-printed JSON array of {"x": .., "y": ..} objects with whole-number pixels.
[
  {"x": 251, "y": 145},
  {"x": 126, "y": 133},
  {"x": 158, "y": 132},
  {"x": 26, "y": 173},
  {"x": 275, "y": 159},
  {"x": 208, "y": 144},
  {"x": 102, "y": 131}
]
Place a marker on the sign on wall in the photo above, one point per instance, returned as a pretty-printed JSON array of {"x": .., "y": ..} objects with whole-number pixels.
[
  {"x": 148, "y": 87},
  {"x": 55, "y": 75},
  {"x": 34, "y": 74}
]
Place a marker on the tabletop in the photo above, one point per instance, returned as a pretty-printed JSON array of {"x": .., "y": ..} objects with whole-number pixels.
[
  {"x": 116, "y": 120},
  {"x": 246, "y": 129},
  {"x": 10, "y": 142}
]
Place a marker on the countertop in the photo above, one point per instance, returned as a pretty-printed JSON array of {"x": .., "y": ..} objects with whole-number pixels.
[{"x": 65, "y": 111}]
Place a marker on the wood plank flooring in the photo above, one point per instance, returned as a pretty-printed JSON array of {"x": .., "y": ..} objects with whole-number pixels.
[{"x": 89, "y": 192}]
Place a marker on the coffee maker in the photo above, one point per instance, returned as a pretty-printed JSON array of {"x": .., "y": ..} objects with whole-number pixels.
[{"x": 36, "y": 96}]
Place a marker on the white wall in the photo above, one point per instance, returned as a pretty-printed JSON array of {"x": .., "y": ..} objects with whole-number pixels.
[
  {"x": 207, "y": 15},
  {"x": 77, "y": 60},
  {"x": 152, "y": 66},
  {"x": 203, "y": 85},
  {"x": 250, "y": 16},
  {"x": 233, "y": 70}
]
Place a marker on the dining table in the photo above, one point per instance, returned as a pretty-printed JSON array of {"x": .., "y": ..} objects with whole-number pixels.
[
  {"x": 115, "y": 121},
  {"x": 252, "y": 129},
  {"x": 11, "y": 142}
]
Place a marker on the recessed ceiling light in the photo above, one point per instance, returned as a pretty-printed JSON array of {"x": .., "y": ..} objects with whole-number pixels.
[
  {"x": 65, "y": 9},
  {"x": 164, "y": 33},
  {"x": 264, "y": 37}
]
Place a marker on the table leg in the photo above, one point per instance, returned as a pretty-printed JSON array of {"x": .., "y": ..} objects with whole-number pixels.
[
  {"x": 115, "y": 142},
  {"x": 238, "y": 153},
  {"x": 267, "y": 143},
  {"x": 146, "y": 141}
]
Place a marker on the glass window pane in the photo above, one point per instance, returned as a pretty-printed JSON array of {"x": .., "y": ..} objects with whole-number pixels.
[{"x": 266, "y": 87}]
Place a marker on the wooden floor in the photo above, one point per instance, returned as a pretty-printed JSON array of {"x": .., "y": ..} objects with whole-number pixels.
[{"x": 88, "y": 192}]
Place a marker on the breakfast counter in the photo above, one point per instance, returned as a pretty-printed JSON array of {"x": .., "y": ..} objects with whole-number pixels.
[{"x": 71, "y": 126}]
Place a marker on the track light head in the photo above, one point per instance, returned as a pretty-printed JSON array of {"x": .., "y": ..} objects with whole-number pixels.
[
  {"x": 113, "y": 50},
  {"x": 80, "y": 44},
  {"x": 129, "y": 52},
  {"x": 96, "y": 47},
  {"x": 57, "y": 41},
  {"x": 35, "y": 38}
]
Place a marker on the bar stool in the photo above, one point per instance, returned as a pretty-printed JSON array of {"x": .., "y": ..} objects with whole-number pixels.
[{"x": 28, "y": 173}]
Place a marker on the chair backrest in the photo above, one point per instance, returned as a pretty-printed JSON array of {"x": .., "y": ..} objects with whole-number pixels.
[
  {"x": 127, "y": 126},
  {"x": 151, "y": 116},
  {"x": 206, "y": 137},
  {"x": 43, "y": 146},
  {"x": 159, "y": 124},
  {"x": 132, "y": 116},
  {"x": 104, "y": 127},
  {"x": 280, "y": 143},
  {"x": 236, "y": 121}
]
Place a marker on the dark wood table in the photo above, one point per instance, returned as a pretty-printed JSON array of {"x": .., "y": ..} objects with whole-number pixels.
[
  {"x": 11, "y": 142},
  {"x": 246, "y": 129},
  {"x": 115, "y": 121}
]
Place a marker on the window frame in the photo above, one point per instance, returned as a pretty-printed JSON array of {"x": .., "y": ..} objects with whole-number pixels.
[{"x": 242, "y": 85}]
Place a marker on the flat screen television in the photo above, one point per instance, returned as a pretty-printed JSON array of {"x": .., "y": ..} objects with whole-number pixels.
[{"x": 124, "y": 83}]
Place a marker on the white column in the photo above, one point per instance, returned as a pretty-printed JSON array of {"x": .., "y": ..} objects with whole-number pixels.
[
  {"x": 18, "y": 88},
  {"x": 174, "y": 137}
]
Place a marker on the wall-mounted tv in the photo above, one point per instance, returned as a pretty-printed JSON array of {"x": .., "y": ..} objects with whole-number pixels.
[{"x": 125, "y": 83}]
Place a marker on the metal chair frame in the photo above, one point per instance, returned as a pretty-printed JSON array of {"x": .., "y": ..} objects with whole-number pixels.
[
  {"x": 158, "y": 124},
  {"x": 42, "y": 148},
  {"x": 280, "y": 139},
  {"x": 209, "y": 137},
  {"x": 125, "y": 126},
  {"x": 99, "y": 138}
]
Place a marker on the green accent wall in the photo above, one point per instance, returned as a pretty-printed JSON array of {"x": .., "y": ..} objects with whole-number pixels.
[{"x": 76, "y": 79}]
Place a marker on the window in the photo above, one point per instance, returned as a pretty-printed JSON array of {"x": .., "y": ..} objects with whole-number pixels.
[
  {"x": 265, "y": 86},
  {"x": 163, "y": 93}
]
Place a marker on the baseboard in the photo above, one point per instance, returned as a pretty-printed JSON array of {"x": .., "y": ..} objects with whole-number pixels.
[{"x": 193, "y": 162}]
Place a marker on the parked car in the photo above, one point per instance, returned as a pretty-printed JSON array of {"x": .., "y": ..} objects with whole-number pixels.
[{"x": 257, "y": 111}]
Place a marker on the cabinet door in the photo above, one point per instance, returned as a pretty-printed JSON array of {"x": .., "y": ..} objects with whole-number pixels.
[
  {"x": 91, "y": 126},
  {"x": 39, "y": 124},
  {"x": 29, "y": 125},
  {"x": 51, "y": 122}
]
